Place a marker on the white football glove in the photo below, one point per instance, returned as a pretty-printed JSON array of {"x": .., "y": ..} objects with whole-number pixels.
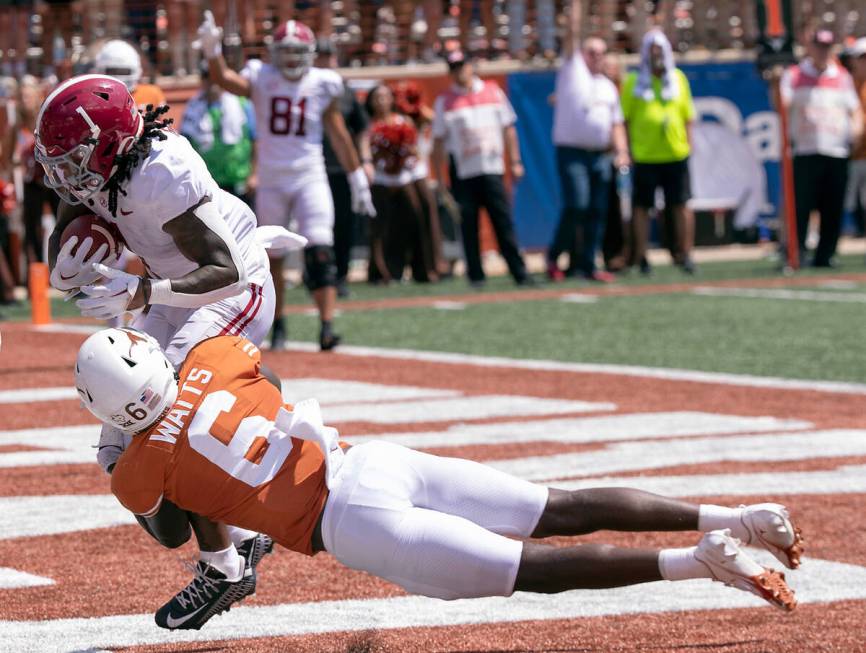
[
  {"x": 70, "y": 271},
  {"x": 362, "y": 198},
  {"x": 110, "y": 299},
  {"x": 210, "y": 36}
]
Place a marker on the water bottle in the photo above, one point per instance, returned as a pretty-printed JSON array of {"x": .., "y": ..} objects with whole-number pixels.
[{"x": 623, "y": 191}]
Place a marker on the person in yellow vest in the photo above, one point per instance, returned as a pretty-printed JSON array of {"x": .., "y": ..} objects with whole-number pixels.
[{"x": 659, "y": 112}]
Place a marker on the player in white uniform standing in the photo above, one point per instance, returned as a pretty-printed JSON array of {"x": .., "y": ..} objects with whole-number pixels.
[
  {"x": 207, "y": 275},
  {"x": 295, "y": 104}
]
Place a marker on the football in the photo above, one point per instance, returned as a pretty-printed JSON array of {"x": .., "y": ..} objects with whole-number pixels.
[{"x": 102, "y": 232}]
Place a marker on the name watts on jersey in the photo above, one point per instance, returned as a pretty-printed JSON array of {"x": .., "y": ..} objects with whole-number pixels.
[{"x": 173, "y": 423}]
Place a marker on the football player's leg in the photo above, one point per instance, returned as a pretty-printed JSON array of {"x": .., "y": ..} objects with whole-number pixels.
[
  {"x": 616, "y": 509},
  {"x": 313, "y": 208},
  {"x": 272, "y": 208},
  {"x": 718, "y": 556},
  {"x": 371, "y": 524},
  {"x": 170, "y": 526}
]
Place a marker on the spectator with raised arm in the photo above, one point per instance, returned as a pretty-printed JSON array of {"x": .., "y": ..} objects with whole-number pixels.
[{"x": 587, "y": 129}]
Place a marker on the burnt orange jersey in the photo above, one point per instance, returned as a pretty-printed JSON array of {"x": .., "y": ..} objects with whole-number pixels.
[
  {"x": 217, "y": 453},
  {"x": 145, "y": 94}
]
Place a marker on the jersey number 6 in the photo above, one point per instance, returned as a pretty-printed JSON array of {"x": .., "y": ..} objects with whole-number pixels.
[
  {"x": 281, "y": 116},
  {"x": 251, "y": 449}
]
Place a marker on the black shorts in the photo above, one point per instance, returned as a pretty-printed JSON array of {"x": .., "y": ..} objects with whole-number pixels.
[{"x": 673, "y": 178}]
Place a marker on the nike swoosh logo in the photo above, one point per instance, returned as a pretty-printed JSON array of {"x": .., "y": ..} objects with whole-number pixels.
[
  {"x": 66, "y": 278},
  {"x": 122, "y": 212},
  {"x": 171, "y": 622}
]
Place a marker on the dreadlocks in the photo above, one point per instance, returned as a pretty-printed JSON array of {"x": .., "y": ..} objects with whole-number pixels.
[{"x": 126, "y": 163}]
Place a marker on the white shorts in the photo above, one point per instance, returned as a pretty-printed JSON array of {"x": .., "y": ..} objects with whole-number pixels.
[
  {"x": 434, "y": 526},
  {"x": 304, "y": 205},
  {"x": 249, "y": 314}
]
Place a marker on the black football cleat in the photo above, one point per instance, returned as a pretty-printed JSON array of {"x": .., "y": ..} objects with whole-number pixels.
[
  {"x": 254, "y": 549},
  {"x": 208, "y": 594}
]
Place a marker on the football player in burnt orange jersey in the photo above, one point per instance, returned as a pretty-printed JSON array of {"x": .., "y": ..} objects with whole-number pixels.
[{"x": 225, "y": 446}]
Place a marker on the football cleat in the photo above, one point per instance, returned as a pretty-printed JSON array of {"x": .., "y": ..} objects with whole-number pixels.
[
  {"x": 769, "y": 526},
  {"x": 729, "y": 564},
  {"x": 208, "y": 594},
  {"x": 254, "y": 549}
]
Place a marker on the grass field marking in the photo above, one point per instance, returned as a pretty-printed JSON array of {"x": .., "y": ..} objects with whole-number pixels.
[
  {"x": 633, "y": 456},
  {"x": 579, "y": 298},
  {"x": 40, "y": 515},
  {"x": 334, "y": 391},
  {"x": 449, "y": 306},
  {"x": 779, "y": 293},
  {"x": 11, "y": 579},
  {"x": 665, "y": 373},
  {"x": 29, "y": 395},
  {"x": 819, "y": 581},
  {"x": 629, "y": 426}
]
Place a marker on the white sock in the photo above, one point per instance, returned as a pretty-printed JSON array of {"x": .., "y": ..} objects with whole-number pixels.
[
  {"x": 239, "y": 535},
  {"x": 681, "y": 564},
  {"x": 716, "y": 518},
  {"x": 227, "y": 561}
]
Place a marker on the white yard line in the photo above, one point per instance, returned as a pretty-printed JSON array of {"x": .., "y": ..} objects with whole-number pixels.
[
  {"x": 668, "y": 374},
  {"x": 819, "y": 581},
  {"x": 630, "y": 426},
  {"x": 11, "y": 579},
  {"x": 633, "y": 456},
  {"x": 780, "y": 293},
  {"x": 31, "y": 516}
]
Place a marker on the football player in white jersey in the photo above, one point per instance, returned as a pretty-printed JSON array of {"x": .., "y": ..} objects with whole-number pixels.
[
  {"x": 295, "y": 103},
  {"x": 207, "y": 269}
]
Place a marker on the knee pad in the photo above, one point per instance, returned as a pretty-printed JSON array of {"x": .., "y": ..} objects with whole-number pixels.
[{"x": 320, "y": 267}]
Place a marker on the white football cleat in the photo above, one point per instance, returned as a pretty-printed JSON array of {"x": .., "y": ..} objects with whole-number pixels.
[
  {"x": 769, "y": 526},
  {"x": 729, "y": 564}
]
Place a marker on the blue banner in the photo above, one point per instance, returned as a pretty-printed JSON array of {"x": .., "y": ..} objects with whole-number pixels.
[{"x": 731, "y": 95}]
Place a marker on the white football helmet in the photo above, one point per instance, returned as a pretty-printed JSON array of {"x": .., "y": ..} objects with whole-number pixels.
[
  {"x": 124, "y": 379},
  {"x": 293, "y": 49},
  {"x": 119, "y": 60}
]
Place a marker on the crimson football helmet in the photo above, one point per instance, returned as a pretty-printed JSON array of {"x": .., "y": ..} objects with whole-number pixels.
[
  {"x": 82, "y": 127},
  {"x": 293, "y": 49}
]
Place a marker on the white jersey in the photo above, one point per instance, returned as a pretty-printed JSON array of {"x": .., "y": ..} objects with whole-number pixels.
[
  {"x": 289, "y": 118},
  {"x": 171, "y": 180}
]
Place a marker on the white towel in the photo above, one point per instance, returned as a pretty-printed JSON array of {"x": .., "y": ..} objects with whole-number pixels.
[
  {"x": 305, "y": 423},
  {"x": 643, "y": 88},
  {"x": 198, "y": 124}
]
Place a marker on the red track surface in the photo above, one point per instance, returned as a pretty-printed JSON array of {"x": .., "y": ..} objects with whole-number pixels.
[{"x": 120, "y": 571}]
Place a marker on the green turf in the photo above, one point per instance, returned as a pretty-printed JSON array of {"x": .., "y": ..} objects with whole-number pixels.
[
  {"x": 802, "y": 339},
  {"x": 799, "y": 339}
]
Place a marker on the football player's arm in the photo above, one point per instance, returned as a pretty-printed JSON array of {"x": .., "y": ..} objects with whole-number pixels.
[
  {"x": 338, "y": 135},
  {"x": 204, "y": 238},
  {"x": 210, "y": 37},
  {"x": 229, "y": 79}
]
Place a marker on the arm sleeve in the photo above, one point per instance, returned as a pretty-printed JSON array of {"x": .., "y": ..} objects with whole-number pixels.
[
  {"x": 506, "y": 111},
  {"x": 138, "y": 479},
  {"x": 332, "y": 84},
  {"x": 251, "y": 70},
  {"x": 438, "y": 129}
]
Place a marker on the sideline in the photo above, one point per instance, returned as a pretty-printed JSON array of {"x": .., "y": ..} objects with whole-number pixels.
[{"x": 668, "y": 374}]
